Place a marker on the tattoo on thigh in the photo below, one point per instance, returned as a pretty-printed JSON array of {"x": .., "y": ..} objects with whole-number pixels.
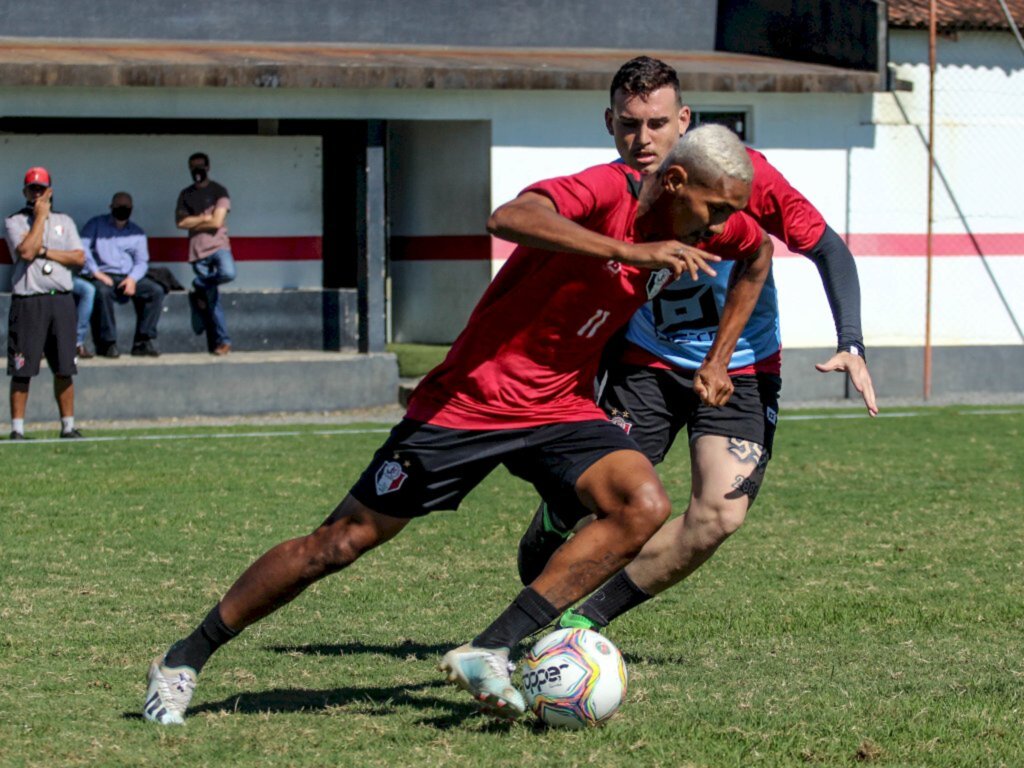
[
  {"x": 748, "y": 486},
  {"x": 747, "y": 451}
]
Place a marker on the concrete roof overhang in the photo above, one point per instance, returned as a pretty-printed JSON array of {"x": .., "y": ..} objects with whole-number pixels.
[{"x": 175, "y": 64}]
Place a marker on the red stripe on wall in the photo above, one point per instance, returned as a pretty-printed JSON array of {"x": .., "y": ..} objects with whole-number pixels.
[
  {"x": 441, "y": 248},
  {"x": 987, "y": 244},
  {"x": 170, "y": 249},
  {"x": 485, "y": 247},
  {"x": 244, "y": 248}
]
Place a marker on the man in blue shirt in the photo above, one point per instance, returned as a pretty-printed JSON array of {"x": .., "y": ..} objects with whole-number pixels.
[{"x": 116, "y": 261}]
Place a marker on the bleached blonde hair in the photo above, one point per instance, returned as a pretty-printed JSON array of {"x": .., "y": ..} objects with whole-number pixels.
[{"x": 710, "y": 152}]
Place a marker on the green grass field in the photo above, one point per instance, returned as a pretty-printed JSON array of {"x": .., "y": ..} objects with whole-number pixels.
[
  {"x": 415, "y": 360},
  {"x": 871, "y": 611}
]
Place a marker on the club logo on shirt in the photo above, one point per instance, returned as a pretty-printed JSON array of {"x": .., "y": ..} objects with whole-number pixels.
[
  {"x": 622, "y": 424},
  {"x": 389, "y": 477},
  {"x": 657, "y": 281},
  {"x": 59, "y": 229},
  {"x": 618, "y": 418}
]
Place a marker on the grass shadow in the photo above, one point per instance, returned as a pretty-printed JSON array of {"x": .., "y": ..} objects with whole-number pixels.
[
  {"x": 433, "y": 652},
  {"x": 402, "y": 650},
  {"x": 383, "y": 701}
]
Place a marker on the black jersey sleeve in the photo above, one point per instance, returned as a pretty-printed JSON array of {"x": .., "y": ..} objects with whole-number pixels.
[{"x": 838, "y": 273}]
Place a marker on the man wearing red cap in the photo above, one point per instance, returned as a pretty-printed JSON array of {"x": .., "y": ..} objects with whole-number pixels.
[{"x": 45, "y": 246}]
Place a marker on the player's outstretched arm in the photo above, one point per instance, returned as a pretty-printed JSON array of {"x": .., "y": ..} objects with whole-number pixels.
[
  {"x": 857, "y": 369},
  {"x": 839, "y": 278},
  {"x": 711, "y": 382},
  {"x": 532, "y": 220}
]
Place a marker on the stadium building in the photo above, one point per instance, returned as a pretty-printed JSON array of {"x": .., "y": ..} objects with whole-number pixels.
[{"x": 365, "y": 144}]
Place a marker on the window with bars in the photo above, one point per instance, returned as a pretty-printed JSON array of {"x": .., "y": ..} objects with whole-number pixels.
[{"x": 736, "y": 120}]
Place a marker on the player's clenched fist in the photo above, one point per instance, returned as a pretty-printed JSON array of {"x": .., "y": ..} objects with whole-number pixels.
[{"x": 673, "y": 255}]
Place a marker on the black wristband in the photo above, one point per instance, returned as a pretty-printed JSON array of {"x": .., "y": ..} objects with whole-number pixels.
[{"x": 854, "y": 348}]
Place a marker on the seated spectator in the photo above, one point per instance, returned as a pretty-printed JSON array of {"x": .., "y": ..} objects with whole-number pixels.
[
  {"x": 85, "y": 295},
  {"x": 116, "y": 260}
]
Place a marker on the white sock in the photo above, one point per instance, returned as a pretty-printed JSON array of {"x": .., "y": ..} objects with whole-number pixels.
[
  {"x": 18, "y": 425},
  {"x": 67, "y": 423}
]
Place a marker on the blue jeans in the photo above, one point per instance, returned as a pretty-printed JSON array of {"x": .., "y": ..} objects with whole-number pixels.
[
  {"x": 85, "y": 294},
  {"x": 213, "y": 271}
]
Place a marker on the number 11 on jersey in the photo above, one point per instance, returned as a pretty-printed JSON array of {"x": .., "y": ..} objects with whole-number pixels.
[{"x": 596, "y": 320}]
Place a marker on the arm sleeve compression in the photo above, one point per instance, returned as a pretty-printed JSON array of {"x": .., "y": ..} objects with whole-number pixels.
[{"x": 838, "y": 273}]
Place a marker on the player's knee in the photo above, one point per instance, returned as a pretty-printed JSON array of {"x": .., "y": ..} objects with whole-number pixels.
[
  {"x": 730, "y": 520},
  {"x": 339, "y": 544},
  {"x": 646, "y": 511},
  {"x": 715, "y": 522}
]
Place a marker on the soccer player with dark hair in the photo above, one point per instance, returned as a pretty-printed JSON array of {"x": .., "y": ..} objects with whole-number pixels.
[
  {"x": 650, "y": 389},
  {"x": 517, "y": 389}
]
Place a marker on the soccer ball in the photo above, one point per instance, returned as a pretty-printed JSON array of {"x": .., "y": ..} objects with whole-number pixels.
[{"x": 574, "y": 678}]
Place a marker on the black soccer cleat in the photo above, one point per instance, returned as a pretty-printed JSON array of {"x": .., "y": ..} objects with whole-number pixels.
[{"x": 540, "y": 541}]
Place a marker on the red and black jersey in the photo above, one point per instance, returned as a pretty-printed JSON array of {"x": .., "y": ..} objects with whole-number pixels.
[
  {"x": 531, "y": 347},
  {"x": 780, "y": 209}
]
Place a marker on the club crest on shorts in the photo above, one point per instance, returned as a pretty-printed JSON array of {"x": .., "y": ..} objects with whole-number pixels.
[
  {"x": 657, "y": 281},
  {"x": 390, "y": 477},
  {"x": 19, "y": 362}
]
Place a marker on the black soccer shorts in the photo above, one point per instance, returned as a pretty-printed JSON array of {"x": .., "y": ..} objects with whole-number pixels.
[
  {"x": 654, "y": 404},
  {"x": 38, "y": 326},
  {"x": 422, "y": 468}
]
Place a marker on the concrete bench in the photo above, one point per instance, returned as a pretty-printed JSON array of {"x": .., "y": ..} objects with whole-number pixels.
[
  {"x": 293, "y": 351},
  {"x": 257, "y": 321}
]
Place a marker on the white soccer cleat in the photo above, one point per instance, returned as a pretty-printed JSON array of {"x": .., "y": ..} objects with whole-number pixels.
[
  {"x": 169, "y": 692},
  {"x": 486, "y": 674}
]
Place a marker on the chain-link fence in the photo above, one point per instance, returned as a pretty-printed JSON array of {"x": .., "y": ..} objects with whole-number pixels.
[{"x": 974, "y": 285}]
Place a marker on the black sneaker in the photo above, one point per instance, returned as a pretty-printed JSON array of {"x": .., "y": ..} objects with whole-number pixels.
[
  {"x": 538, "y": 544},
  {"x": 17, "y": 436},
  {"x": 145, "y": 349},
  {"x": 71, "y": 434},
  {"x": 110, "y": 350}
]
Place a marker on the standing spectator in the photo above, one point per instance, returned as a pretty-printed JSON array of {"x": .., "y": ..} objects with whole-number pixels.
[
  {"x": 203, "y": 210},
  {"x": 45, "y": 246},
  {"x": 116, "y": 260},
  {"x": 85, "y": 296}
]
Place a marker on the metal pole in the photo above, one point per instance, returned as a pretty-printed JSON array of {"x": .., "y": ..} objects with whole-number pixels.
[
  {"x": 373, "y": 242},
  {"x": 931, "y": 202}
]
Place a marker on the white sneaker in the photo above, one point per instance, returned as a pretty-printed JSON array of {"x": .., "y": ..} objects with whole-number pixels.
[
  {"x": 486, "y": 674},
  {"x": 169, "y": 692}
]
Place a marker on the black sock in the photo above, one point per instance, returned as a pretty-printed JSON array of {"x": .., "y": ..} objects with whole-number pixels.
[
  {"x": 196, "y": 649},
  {"x": 527, "y": 613},
  {"x": 618, "y": 595}
]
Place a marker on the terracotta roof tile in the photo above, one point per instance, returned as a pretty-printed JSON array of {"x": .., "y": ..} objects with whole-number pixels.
[{"x": 955, "y": 14}]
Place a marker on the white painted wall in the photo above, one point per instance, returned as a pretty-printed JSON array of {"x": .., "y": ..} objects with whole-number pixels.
[
  {"x": 438, "y": 185},
  {"x": 855, "y": 156}
]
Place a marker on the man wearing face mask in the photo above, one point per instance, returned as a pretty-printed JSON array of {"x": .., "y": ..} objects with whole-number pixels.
[
  {"x": 116, "y": 261},
  {"x": 203, "y": 210},
  {"x": 45, "y": 247}
]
